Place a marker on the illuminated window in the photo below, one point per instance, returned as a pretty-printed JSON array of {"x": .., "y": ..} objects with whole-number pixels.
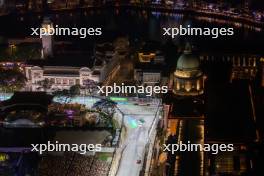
[
  {"x": 71, "y": 82},
  {"x": 188, "y": 86},
  {"x": 37, "y": 75},
  {"x": 58, "y": 81},
  {"x": 52, "y": 80},
  {"x": 177, "y": 85},
  {"x": 198, "y": 85},
  {"x": 65, "y": 81}
]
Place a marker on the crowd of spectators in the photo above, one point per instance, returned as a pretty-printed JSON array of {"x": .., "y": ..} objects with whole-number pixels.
[
  {"x": 99, "y": 168},
  {"x": 72, "y": 164},
  {"x": 81, "y": 165},
  {"x": 55, "y": 164}
]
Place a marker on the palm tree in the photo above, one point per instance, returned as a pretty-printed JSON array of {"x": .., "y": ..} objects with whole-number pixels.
[
  {"x": 74, "y": 90},
  {"x": 11, "y": 79}
]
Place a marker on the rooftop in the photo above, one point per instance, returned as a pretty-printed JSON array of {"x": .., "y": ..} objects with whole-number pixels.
[
  {"x": 76, "y": 60},
  {"x": 188, "y": 61}
]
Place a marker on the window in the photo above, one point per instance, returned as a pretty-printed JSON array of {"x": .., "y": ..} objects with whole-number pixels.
[
  {"x": 52, "y": 80},
  {"x": 71, "y": 82},
  {"x": 58, "y": 81},
  {"x": 65, "y": 81},
  {"x": 37, "y": 75},
  {"x": 77, "y": 81}
]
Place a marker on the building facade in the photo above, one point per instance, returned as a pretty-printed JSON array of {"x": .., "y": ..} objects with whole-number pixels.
[
  {"x": 59, "y": 78},
  {"x": 148, "y": 69},
  {"x": 188, "y": 79},
  {"x": 47, "y": 40}
]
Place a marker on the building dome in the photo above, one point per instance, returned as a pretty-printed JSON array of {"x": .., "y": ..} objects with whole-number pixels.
[
  {"x": 188, "y": 61},
  {"x": 188, "y": 77}
]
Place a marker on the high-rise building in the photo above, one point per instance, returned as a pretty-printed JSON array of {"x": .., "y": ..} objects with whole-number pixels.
[
  {"x": 194, "y": 3},
  {"x": 1, "y": 3},
  {"x": 47, "y": 40},
  {"x": 246, "y": 6},
  {"x": 262, "y": 71}
]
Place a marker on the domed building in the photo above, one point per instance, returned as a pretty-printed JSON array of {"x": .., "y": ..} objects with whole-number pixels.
[{"x": 188, "y": 79}]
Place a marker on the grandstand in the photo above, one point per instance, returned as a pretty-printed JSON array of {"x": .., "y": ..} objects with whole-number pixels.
[{"x": 73, "y": 164}]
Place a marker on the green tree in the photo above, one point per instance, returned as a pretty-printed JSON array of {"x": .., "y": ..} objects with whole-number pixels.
[
  {"x": 11, "y": 79},
  {"x": 75, "y": 90},
  {"x": 45, "y": 84}
]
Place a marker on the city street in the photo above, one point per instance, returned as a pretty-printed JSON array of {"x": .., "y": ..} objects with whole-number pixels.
[
  {"x": 134, "y": 147},
  {"x": 140, "y": 123}
]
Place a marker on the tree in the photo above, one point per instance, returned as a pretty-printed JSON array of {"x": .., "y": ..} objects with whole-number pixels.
[
  {"x": 75, "y": 90},
  {"x": 45, "y": 84},
  {"x": 90, "y": 86},
  {"x": 11, "y": 79},
  {"x": 63, "y": 96}
]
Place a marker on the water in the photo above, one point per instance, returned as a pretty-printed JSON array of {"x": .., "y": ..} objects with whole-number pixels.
[{"x": 139, "y": 26}]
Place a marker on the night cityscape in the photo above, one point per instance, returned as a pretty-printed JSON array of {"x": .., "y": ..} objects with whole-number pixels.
[{"x": 131, "y": 88}]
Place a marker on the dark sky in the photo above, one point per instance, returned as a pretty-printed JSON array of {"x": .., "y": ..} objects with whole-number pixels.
[{"x": 257, "y": 4}]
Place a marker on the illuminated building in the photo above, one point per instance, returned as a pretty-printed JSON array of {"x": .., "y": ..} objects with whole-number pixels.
[
  {"x": 106, "y": 61},
  {"x": 203, "y": 113},
  {"x": 147, "y": 69},
  {"x": 62, "y": 73},
  {"x": 47, "y": 40},
  {"x": 146, "y": 57},
  {"x": 60, "y": 77},
  {"x": 185, "y": 110},
  {"x": 188, "y": 78},
  {"x": 262, "y": 75},
  {"x": 244, "y": 66}
]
